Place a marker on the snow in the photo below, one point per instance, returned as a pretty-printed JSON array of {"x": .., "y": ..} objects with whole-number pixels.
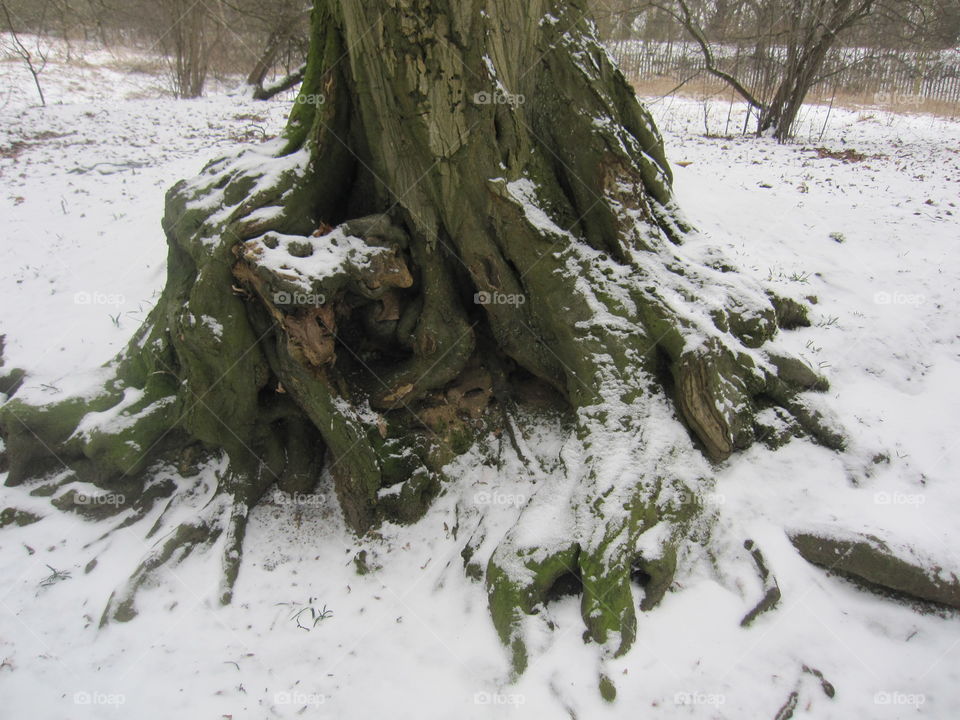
[
  {"x": 525, "y": 192},
  {"x": 263, "y": 162},
  {"x": 215, "y": 326},
  {"x": 82, "y": 198},
  {"x": 111, "y": 420},
  {"x": 327, "y": 257}
]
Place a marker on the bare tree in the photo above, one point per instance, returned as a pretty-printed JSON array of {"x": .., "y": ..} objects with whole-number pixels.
[
  {"x": 280, "y": 28},
  {"x": 21, "y": 50},
  {"x": 806, "y": 30},
  {"x": 189, "y": 39},
  {"x": 772, "y": 53}
]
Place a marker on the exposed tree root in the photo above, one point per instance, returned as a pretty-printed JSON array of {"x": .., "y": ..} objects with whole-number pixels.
[
  {"x": 825, "y": 684},
  {"x": 872, "y": 561},
  {"x": 787, "y": 709},
  {"x": 223, "y": 519},
  {"x": 360, "y": 293},
  {"x": 771, "y": 590},
  {"x": 10, "y": 378}
]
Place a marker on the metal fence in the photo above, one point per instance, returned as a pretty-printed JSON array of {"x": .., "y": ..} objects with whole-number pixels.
[{"x": 886, "y": 74}]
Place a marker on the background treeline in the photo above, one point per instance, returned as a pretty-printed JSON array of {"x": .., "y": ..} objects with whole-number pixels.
[
  {"x": 773, "y": 54},
  {"x": 197, "y": 38}
]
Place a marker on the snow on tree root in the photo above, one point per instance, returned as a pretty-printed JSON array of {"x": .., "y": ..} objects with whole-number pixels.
[
  {"x": 879, "y": 564},
  {"x": 220, "y": 521},
  {"x": 360, "y": 291},
  {"x": 619, "y": 512}
]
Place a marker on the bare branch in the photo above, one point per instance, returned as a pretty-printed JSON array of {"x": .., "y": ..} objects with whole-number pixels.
[{"x": 24, "y": 53}]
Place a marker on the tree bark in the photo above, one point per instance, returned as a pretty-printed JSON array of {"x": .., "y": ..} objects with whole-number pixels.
[
  {"x": 812, "y": 41},
  {"x": 468, "y": 204},
  {"x": 281, "y": 85},
  {"x": 266, "y": 59}
]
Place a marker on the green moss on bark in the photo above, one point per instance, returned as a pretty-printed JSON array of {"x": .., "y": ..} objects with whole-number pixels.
[{"x": 486, "y": 239}]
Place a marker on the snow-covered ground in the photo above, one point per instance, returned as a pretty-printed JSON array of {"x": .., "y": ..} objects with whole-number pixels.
[{"x": 862, "y": 215}]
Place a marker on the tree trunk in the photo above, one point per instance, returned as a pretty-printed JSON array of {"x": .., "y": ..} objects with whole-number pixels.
[
  {"x": 814, "y": 37},
  {"x": 469, "y": 210},
  {"x": 266, "y": 59},
  {"x": 801, "y": 74},
  {"x": 189, "y": 40}
]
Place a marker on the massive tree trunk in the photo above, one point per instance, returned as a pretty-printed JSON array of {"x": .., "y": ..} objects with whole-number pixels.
[{"x": 469, "y": 221}]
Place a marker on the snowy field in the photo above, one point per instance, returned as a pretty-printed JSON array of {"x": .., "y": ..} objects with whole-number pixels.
[{"x": 861, "y": 213}]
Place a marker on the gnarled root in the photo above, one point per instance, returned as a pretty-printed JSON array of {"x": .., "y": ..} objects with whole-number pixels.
[
  {"x": 771, "y": 590},
  {"x": 875, "y": 564},
  {"x": 222, "y": 518}
]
